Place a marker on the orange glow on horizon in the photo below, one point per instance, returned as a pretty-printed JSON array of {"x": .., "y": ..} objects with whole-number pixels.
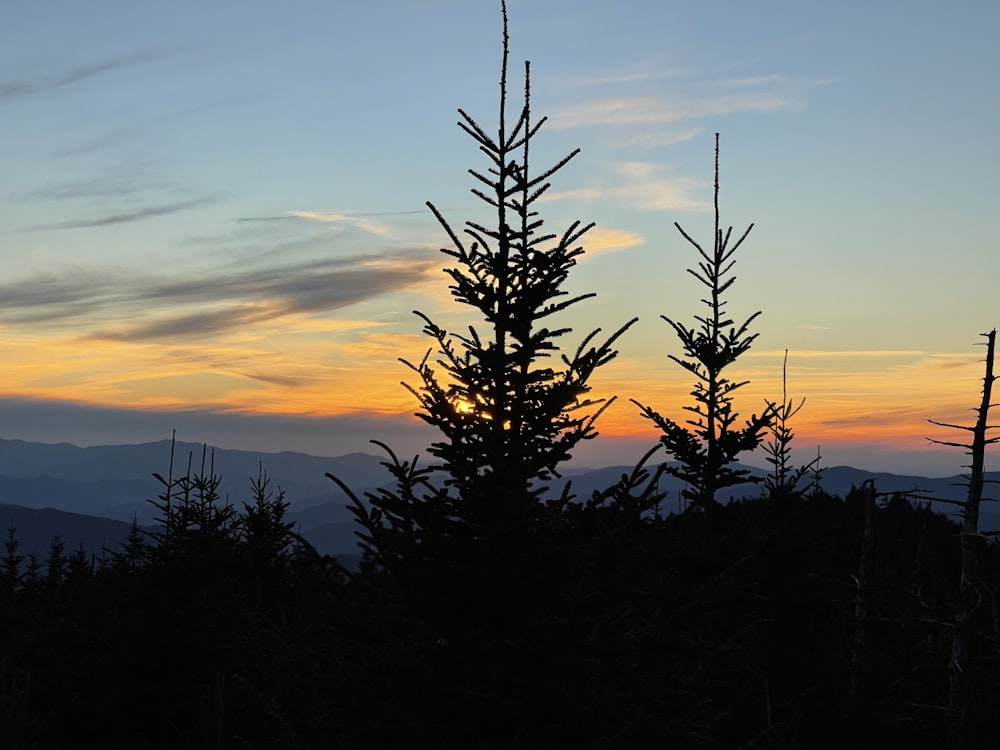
[{"x": 313, "y": 367}]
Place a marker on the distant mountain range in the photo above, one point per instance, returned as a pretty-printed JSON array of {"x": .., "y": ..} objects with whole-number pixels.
[{"x": 90, "y": 495}]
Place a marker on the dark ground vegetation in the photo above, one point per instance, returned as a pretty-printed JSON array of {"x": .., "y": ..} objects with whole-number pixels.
[{"x": 600, "y": 628}]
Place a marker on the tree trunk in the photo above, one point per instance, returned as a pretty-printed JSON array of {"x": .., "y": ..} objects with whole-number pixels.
[
  {"x": 970, "y": 595},
  {"x": 862, "y": 603}
]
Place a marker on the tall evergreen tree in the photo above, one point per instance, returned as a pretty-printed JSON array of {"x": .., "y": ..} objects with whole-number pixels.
[
  {"x": 508, "y": 413},
  {"x": 193, "y": 518},
  {"x": 55, "y": 562},
  {"x": 706, "y": 446},
  {"x": 784, "y": 480},
  {"x": 10, "y": 566},
  {"x": 134, "y": 550}
]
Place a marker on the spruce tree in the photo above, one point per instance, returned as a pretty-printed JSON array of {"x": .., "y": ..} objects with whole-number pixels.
[
  {"x": 705, "y": 446},
  {"x": 10, "y": 566},
  {"x": 55, "y": 562},
  {"x": 509, "y": 415},
  {"x": 134, "y": 550},
  {"x": 195, "y": 521},
  {"x": 510, "y": 402},
  {"x": 783, "y": 482}
]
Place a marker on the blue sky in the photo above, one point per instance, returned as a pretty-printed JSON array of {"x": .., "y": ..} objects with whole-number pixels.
[{"x": 218, "y": 208}]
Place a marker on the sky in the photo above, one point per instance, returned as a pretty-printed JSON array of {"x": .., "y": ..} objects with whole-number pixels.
[{"x": 213, "y": 214}]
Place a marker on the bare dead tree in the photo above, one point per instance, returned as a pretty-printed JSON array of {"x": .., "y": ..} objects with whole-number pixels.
[{"x": 971, "y": 587}]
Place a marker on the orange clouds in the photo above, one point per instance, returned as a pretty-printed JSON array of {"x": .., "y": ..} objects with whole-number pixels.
[
  {"x": 302, "y": 365},
  {"x": 850, "y": 396}
]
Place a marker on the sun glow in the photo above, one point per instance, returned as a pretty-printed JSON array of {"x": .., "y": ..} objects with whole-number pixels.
[
  {"x": 319, "y": 367},
  {"x": 464, "y": 407}
]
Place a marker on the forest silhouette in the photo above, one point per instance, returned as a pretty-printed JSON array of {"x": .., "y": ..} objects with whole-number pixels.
[{"x": 494, "y": 608}]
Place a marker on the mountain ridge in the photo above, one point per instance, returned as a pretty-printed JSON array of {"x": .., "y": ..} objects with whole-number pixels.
[{"x": 81, "y": 483}]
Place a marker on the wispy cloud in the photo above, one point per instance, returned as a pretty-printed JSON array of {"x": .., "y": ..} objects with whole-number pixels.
[
  {"x": 641, "y": 185},
  {"x": 361, "y": 221},
  {"x": 617, "y": 79},
  {"x": 661, "y": 138},
  {"x": 197, "y": 324},
  {"x": 256, "y": 240},
  {"x": 122, "y": 181},
  {"x": 263, "y": 219},
  {"x": 149, "y": 307},
  {"x": 751, "y": 81},
  {"x": 600, "y": 240},
  {"x": 29, "y": 86},
  {"x": 866, "y": 353},
  {"x": 134, "y": 126},
  {"x": 139, "y": 214},
  {"x": 658, "y": 110},
  {"x": 332, "y": 216},
  {"x": 366, "y": 221}
]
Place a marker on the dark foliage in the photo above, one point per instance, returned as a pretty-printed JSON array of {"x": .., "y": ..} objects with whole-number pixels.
[
  {"x": 973, "y": 622},
  {"x": 507, "y": 413},
  {"x": 706, "y": 446},
  {"x": 785, "y": 480},
  {"x": 599, "y": 631}
]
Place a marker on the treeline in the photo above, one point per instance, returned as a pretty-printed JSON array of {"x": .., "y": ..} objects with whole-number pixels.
[
  {"x": 489, "y": 613},
  {"x": 596, "y": 626}
]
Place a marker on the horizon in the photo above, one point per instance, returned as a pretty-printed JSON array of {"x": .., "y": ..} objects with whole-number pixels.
[
  {"x": 85, "y": 427},
  {"x": 215, "y": 221}
]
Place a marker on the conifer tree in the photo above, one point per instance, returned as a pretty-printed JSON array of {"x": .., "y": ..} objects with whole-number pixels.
[
  {"x": 195, "y": 521},
  {"x": 79, "y": 565},
  {"x": 31, "y": 578},
  {"x": 10, "y": 567},
  {"x": 134, "y": 550},
  {"x": 509, "y": 415},
  {"x": 706, "y": 445},
  {"x": 783, "y": 481},
  {"x": 262, "y": 524},
  {"x": 509, "y": 401},
  {"x": 55, "y": 562}
]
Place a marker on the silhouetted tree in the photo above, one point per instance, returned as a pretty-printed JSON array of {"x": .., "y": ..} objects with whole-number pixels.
[
  {"x": 496, "y": 584},
  {"x": 263, "y": 522},
  {"x": 816, "y": 475},
  {"x": 783, "y": 481},
  {"x": 11, "y": 565},
  {"x": 32, "y": 576},
  {"x": 268, "y": 542},
  {"x": 972, "y": 592},
  {"x": 508, "y": 414},
  {"x": 79, "y": 565},
  {"x": 197, "y": 528},
  {"x": 55, "y": 563},
  {"x": 705, "y": 452},
  {"x": 864, "y": 582},
  {"x": 134, "y": 550}
]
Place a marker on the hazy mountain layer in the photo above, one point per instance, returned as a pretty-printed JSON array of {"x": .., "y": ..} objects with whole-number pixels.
[{"x": 91, "y": 494}]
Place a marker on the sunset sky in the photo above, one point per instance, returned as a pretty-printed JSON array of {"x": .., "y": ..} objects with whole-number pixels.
[{"x": 213, "y": 213}]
